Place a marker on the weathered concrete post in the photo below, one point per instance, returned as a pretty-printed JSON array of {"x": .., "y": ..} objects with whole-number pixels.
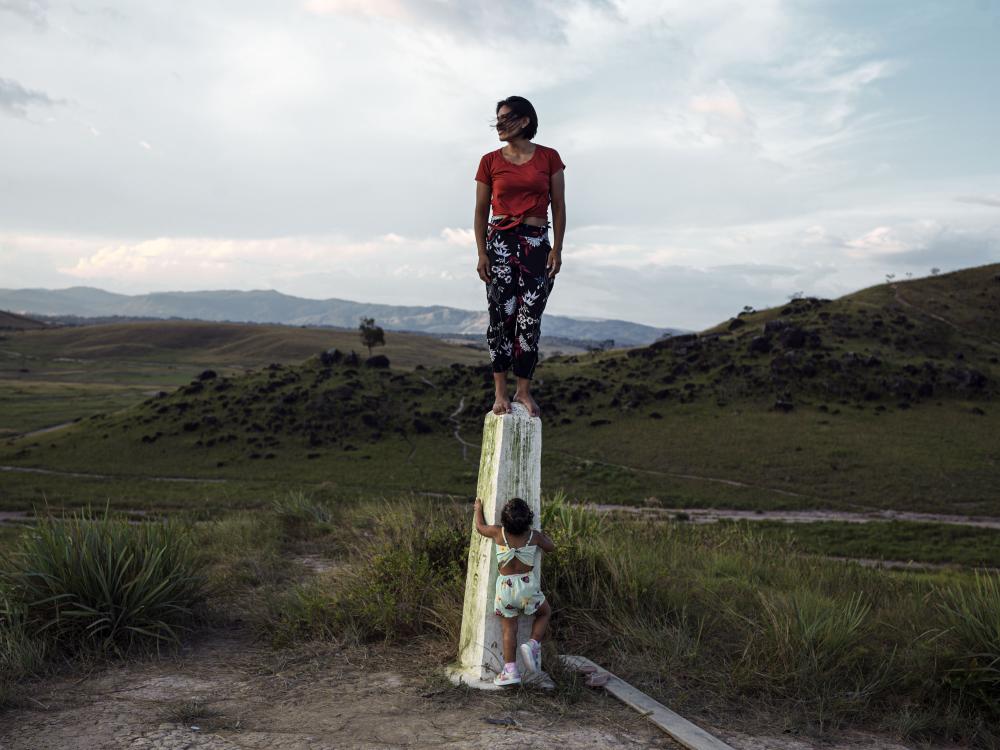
[{"x": 510, "y": 465}]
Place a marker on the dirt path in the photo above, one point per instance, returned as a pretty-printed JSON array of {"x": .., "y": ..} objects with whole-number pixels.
[
  {"x": 711, "y": 515},
  {"x": 453, "y": 417},
  {"x": 45, "y": 430},
  {"x": 905, "y": 303},
  {"x": 87, "y": 475},
  {"x": 227, "y": 693}
]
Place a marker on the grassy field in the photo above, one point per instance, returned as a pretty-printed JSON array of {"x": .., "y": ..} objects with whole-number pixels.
[
  {"x": 863, "y": 403},
  {"x": 52, "y": 376},
  {"x": 688, "y": 422},
  {"x": 729, "y": 619}
]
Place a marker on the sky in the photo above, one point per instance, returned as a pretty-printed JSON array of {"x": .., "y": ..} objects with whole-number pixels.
[{"x": 718, "y": 154}]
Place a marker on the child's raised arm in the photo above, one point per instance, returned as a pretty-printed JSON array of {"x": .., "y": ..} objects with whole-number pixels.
[
  {"x": 488, "y": 531},
  {"x": 542, "y": 540}
]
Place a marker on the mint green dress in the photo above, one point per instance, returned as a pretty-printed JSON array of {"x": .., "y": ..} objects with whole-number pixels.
[{"x": 517, "y": 593}]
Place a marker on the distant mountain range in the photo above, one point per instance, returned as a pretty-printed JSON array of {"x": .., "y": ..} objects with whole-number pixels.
[{"x": 269, "y": 306}]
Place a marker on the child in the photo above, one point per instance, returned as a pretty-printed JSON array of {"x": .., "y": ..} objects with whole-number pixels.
[{"x": 517, "y": 586}]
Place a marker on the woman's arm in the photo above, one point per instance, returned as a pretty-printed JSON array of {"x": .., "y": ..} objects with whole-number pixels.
[
  {"x": 488, "y": 531},
  {"x": 557, "y": 191},
  {"x": 484, "y": 193}
]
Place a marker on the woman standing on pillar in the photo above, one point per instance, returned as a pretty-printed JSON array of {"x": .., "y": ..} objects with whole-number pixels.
[{"x": 516, "y": 260}]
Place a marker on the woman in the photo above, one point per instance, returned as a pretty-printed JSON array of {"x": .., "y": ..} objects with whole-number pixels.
[{"x": 515, "y": 258}]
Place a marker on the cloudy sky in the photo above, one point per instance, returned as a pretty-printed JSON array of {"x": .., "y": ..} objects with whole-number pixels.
[{"x": 718, "y": 154}]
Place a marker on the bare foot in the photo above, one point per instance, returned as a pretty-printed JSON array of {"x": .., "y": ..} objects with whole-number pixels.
[
  {"x": 528, "y": 401},
  {"x": 502, "y": 404}
]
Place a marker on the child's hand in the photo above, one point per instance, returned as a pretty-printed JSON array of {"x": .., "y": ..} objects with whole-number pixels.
[{"x": 479, "y": 504}]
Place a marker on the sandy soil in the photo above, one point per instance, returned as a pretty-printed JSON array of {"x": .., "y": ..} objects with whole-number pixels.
[{"x": 225, "y": 693}]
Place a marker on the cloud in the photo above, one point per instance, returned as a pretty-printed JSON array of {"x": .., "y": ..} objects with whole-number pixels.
[
  {"x": 34, "y": 11},
  {"x": 878, "y": 241},
  {"x": 985, "y": 200},
  {"x": 459, "y": 19},
  {"x": 15, "y": 98},
  {"x": 927, "y": 242},
  {"x": 755, "y": 269},
  {"x": 460, "y": 237}
]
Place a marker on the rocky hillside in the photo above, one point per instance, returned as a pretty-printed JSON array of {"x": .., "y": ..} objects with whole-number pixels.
[{"x": 868, "y": 350}]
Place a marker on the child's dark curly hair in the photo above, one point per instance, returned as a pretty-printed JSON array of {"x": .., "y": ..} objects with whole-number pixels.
[{"x": 516, "y": 516}]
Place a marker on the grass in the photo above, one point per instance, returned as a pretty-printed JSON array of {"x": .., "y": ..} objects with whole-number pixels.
[
  {"x": 271, "y": 467},
  {"x": 100, "y": 584},
  {"x": 724, "y": 618},
  {"x": 892, "y": 540},
  {"x": 703, "y": 617},
  {"x": 889, "y": 409},
  {"x": 49, "y": 377}
]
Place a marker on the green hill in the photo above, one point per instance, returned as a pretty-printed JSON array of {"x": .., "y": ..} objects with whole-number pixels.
[
  {"x": 880, "y": 399},
  {"x": 237, "y": 344},
  {"x": 53, "y": 376},
  {"x": 13, "y": 322}
]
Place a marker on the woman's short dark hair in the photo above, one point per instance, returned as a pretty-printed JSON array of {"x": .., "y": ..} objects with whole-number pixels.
[
  {"x": 521, "y": 107},
  {"x": 516, "y": 516}
]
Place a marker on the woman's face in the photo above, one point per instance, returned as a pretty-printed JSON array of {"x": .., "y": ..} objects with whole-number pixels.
[{"x": 507, "y": 125}]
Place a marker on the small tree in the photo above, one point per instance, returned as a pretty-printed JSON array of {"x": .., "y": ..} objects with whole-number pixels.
[
  {"x": 935, "y": 271},
  {"x": 371, "y": 334},
  {"x": 794, "y": 296}
]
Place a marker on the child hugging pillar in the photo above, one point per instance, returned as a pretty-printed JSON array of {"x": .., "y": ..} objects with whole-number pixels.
[{"x": 510, "y": 465}]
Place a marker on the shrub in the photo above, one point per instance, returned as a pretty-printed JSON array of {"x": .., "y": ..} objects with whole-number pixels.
[
  {"x": 972, "y": 618},
  {"x": 300, "y": 516},
  {"x": 409, "y": 579},
  {"x": 102, "y": 584}
]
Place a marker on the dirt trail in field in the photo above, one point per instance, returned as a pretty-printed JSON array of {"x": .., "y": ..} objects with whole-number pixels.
[
  {"x": 905, "y": 303},
  {"x": 227, "y": 693},
  {"x": 45, "y": 430},
  {"x": 453, "y": 418},
  {"x": 711, "y": 515},
  {"x": 88, "y": 475}
]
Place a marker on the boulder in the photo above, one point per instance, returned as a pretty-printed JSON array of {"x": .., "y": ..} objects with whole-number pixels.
[
  {"x": 792, "y": 337},
  {"x": 774, "y": 326}
]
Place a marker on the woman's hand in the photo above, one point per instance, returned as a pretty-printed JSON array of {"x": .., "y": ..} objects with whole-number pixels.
[
  {"x": 483, "y": 269},
  {"x": 478, "y": 506},
  {"x": 554, "y": 263}
]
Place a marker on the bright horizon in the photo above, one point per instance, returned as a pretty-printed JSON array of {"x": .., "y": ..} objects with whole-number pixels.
[{"x": 717, "y": 156}]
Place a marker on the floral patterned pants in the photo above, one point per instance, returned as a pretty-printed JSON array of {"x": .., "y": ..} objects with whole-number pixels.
[{"x": 516, "y": 295}]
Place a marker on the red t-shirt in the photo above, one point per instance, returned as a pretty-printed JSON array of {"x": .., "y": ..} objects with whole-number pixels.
[{"x": 520, "y": 189}]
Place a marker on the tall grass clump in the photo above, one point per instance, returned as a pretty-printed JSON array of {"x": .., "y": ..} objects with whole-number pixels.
[
  {"x": 406, "y": 577},
  {"x": 21, "y": 655},
  {"x": 812, "y": 650},
  {"x": 98, "y": 584},
  {"x": 299, "y": 515},
  {"x": 972, "y": 631}
]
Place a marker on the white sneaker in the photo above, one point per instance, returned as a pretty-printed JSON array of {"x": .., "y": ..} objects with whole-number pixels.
[
  {"x": 532, "y": 656},
  {"x": 507, "y": 678}
]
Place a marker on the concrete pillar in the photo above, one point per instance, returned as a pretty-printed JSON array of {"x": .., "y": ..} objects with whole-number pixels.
[{"x": 510, "y": 465}]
